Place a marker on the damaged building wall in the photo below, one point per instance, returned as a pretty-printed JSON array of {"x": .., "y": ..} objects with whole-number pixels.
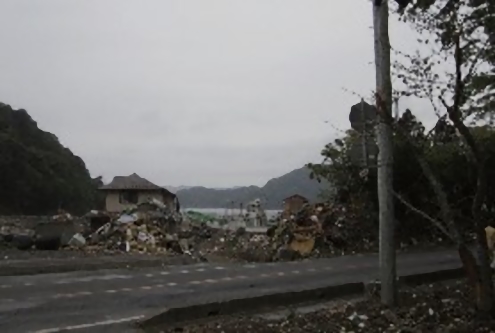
[
  {"x": 293, "y": 204},
  {"x": 115, "y": 204}
]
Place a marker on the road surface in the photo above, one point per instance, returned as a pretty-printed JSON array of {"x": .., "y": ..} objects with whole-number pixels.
[{"x": 111, "y": 300}]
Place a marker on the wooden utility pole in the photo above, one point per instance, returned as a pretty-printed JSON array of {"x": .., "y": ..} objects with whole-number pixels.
[{"x": 385, "y": 157}]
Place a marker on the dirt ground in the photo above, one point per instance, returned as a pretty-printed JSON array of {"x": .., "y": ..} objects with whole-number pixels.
[{"x": 439, "y": 308}]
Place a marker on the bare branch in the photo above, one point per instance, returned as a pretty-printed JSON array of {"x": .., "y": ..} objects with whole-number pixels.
[
  {"x": 435, "y": 222},
  {"x": 475, "y": 62}
]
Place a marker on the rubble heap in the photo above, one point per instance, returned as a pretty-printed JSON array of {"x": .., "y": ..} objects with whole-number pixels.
[
  {"x": 319, "y": 229},
  {"x": 147, "y": 228}
]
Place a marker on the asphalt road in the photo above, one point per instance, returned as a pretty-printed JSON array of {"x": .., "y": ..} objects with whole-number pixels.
[{"x": 111, "y": 300}]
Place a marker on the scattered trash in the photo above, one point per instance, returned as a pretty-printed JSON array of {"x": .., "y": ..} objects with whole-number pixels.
[
  {"x": 77, "y": 240},
  {"x": 127, "y": 218}
]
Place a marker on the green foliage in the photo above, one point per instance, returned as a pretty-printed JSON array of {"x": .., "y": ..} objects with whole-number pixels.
[
  {"x": 448, "y": 157},
  {"x": 37, "y": 174},
  {"x": 456, "y": 31}
]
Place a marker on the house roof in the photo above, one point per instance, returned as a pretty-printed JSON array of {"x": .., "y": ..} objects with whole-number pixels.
[
  {"x": 296, "y": 196},
  {"x": 132, "y": 182}
]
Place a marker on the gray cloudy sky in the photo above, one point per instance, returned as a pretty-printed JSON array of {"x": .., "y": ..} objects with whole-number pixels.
[{"x": 190, "y": 92}]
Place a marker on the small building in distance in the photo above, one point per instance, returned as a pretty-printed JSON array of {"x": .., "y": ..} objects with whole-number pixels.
[
  {"x": 293, "y": 204},
  {"x": 128, "y": 191}
]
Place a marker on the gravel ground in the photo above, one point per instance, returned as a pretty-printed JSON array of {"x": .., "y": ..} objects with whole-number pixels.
[{"x": 438, "y": 308}]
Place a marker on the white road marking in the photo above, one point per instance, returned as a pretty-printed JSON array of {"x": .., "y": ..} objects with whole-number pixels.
[
  {"x": 200, "y": 270},
  {"x": 111, "y": 291},
  {"x": 5, "y": 286},
  {"x": 159, "y": 285},
  {"x": 164, "y": 273},
  {"x": 171, "y": 284},
  {"x": 264, "y": 275},
  {"x": 184, "y": 271},
  {"x": 85, "y": 293},
  {"x": 195, "y": 282},
  {"x": 27, "y": 284},
  {"x": 211, "y": 281},
  {"x": 219, "y": 267},
  {"x": 149, "y": 275},
  {"x": 89, "y": 325},
  {"x": 93, "y": 278},
  {"x": 63, "y": 295},
  {"x": 249, "y": 266},
  {"x": 280, "y": 273}
]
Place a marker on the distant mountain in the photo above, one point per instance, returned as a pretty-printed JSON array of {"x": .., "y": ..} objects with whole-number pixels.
[
  {"x": 272, "y": 194},
  {"x": 175, "y": 189}
]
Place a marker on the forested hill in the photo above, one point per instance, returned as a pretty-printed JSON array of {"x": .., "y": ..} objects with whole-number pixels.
[
  {"x": 272, "y": 194},
  {"x": 37, "y": 174}
]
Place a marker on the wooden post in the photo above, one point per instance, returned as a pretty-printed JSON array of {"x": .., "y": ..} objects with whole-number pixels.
[{"x": 385, "y": 158}]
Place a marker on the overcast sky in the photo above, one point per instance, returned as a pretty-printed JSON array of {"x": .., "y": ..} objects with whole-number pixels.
[{"x": 191, "y": 92}]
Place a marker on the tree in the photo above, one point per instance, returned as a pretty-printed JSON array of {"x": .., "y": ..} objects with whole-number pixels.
[
  {"x": 454, "y": 76},
  {"x": 37, "y": 174}
]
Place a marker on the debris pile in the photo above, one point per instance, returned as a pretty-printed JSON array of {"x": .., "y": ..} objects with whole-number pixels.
[
  {"x": 255, "y": 215},
  {"x": 316, "y": 230},
  {"x": 12, "y": 235},
  {"x": 148, "y": 228},
  {"x": 238, "y": 245},
  {"x": 320, "y": 229},
  {"x": 62, "y": 216}
]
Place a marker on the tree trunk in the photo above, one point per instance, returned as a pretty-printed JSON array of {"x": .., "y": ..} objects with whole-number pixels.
[{"x": 385, "y": 158}]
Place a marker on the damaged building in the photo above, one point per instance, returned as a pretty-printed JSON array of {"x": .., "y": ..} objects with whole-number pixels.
[
  {"x": 125, "y": 192},
  {"x": 293, "y": 204}
]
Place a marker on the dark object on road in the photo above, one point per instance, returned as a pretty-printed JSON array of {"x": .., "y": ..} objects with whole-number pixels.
[
  {"x": 48, "y": 242},
  {"x": 8, "y": 238},
  {"x": 22, "y": 242}
]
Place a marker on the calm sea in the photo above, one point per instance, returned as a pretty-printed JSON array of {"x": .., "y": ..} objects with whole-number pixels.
[{"x": 228, "y": 212}]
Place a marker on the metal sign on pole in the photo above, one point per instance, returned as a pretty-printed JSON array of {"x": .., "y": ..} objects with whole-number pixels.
[{"x": 363, "y": 117}]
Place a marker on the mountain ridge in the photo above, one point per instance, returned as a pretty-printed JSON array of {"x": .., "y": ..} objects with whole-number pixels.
[{"x": 271, "y": 194}]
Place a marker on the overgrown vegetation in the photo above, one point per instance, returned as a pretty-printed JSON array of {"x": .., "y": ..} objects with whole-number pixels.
[
  {"x": 444, "y": 176},
  {"x": 37, "y": 174}
]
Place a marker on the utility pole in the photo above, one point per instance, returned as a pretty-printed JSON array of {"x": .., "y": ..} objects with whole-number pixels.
[{"x": 385, "y": 158}]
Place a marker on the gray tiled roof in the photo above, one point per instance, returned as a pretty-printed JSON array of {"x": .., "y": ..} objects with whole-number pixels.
[{"x": 132, "y": 182}]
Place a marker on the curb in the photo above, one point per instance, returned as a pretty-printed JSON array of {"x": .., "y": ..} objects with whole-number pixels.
[{"x": 283, "y": 299}]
